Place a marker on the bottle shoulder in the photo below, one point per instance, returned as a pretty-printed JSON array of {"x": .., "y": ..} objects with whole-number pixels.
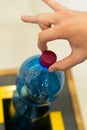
[
  {"x": 30, "y": 62},
  {"x": 32, "y": 67},
  {"x": 35, "y": 80}
]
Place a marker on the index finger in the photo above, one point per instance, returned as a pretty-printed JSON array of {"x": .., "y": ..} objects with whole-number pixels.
[
  {"x": 28, "y": 19},
  {"x": 54, "y": 5}
]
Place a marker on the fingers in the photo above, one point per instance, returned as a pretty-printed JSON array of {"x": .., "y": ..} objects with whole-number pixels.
[
  {"x": 43, "y": 27},
  {"x": 29, "y": 19},
  {"x": 50, "y": 34},
  {"x": 41, "y": 20},
  {"x": 63, "y": 64},
  {"x": 54, "y": 5},
  {"x": 46, "y": 36},
  {"x": 68, "y": 62}
]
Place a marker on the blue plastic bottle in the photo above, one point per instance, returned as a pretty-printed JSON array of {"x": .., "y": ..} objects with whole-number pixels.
[{"x": 36, "y": 90}]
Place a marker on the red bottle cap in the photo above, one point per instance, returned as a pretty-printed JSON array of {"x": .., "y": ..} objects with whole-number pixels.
[{"x": 48, "y": 58}]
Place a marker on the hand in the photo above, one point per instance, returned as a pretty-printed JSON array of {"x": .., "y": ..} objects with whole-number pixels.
[{"x": 66, "y": 24}]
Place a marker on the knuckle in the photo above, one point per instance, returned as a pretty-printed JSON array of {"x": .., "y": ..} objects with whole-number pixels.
[
  {"x": 40, "y": 36},
  {"x": 64, "y": 26},
  {"x": 39, "y": 18}
]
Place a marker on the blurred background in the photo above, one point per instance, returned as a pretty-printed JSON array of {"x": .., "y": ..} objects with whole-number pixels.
[{"x": 18, "y": 40}]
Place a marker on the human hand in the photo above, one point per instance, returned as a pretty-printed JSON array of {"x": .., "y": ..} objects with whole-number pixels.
[{"x": 66, "y": 24}]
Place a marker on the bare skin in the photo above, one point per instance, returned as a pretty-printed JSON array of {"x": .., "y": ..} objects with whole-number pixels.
[{"x": 66, "y": 24}]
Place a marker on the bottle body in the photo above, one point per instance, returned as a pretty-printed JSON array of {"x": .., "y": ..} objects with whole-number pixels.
[
  {"x": 25, "y": 114},
  {"x": 36, "y": 82},
  {"x": 36, "y": 89}
]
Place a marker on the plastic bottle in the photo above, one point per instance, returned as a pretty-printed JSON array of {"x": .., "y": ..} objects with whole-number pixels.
[{"x": 36, "y": 90}]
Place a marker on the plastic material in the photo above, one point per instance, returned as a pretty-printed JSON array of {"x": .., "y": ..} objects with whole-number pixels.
[
  {"x": 36, "y": 89},
  {"x": 48, "y": 58}
]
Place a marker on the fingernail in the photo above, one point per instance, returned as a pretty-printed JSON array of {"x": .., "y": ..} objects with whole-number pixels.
[{"x": 51, "y": 69}]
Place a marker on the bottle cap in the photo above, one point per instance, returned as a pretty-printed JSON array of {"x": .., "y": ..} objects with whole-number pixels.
[{"x": 48, "y": 58}]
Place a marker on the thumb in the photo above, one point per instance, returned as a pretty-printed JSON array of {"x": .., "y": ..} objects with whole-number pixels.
[{"x": 66, "y": 63}]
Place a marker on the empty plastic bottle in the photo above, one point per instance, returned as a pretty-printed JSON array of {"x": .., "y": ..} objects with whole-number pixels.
[{"x": 36, "y": 90}]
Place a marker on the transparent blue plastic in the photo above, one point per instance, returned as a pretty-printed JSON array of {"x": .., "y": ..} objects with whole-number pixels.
[
  {"x": 36, "y": 83},
  {"x": 36, "y": 89}
]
